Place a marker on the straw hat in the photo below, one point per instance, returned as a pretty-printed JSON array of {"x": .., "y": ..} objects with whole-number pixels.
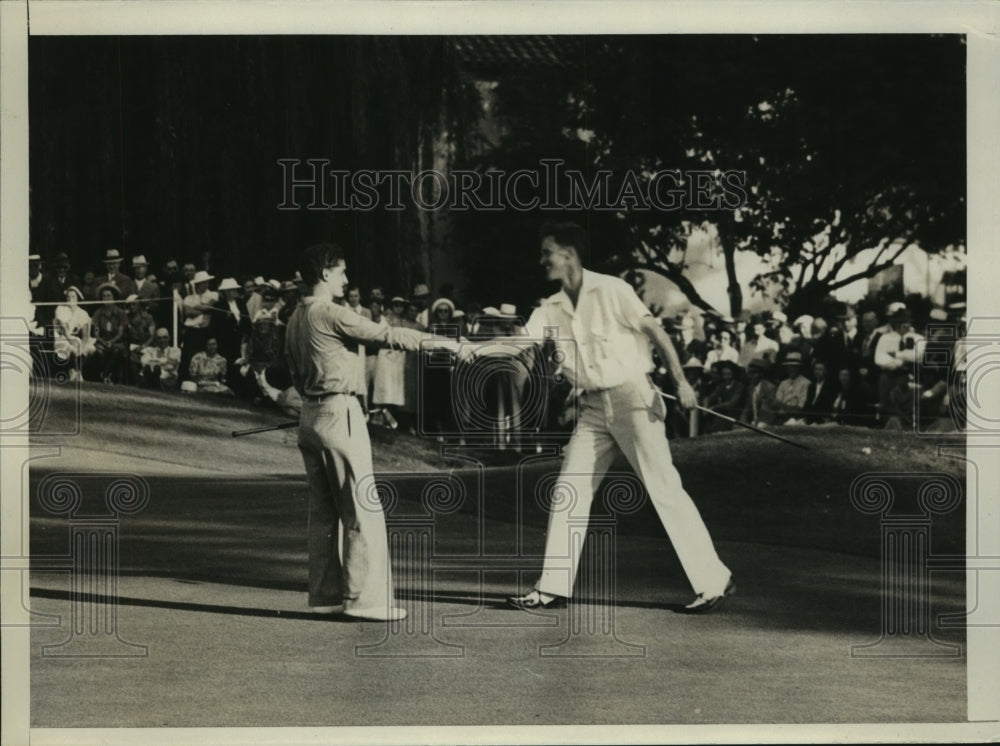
[
  {"x": 116, "y": 291},
  {"x": 506, "y": 311},
  {"x": 442, "y": 302}
]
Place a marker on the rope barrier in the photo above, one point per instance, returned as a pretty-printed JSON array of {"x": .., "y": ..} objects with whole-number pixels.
[{"x": 94, "y": 302}]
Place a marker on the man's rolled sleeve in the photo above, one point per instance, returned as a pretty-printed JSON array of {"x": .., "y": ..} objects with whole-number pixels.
[{"x": 630, "y": 307}]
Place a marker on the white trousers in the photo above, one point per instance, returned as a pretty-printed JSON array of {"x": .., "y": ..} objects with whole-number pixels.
[
  {"x": 350, "y": 567},
  {"x": 626, "y": 418}
]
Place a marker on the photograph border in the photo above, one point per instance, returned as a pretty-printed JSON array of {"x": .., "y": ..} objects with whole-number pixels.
[{"x": 979, "y": 21}]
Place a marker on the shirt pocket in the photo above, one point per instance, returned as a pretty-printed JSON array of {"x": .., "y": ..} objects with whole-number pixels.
[{"x": 601, "y": 339}]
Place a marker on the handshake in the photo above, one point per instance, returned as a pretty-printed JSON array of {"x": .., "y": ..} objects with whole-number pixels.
[
  {"x": 461, "y": 348},
  {"x": 467, "y": 351}
]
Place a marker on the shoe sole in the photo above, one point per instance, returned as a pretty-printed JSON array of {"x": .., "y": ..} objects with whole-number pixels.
[
  {"x": 554, "y": 604},
  {"x": 338, "y": 609},
  {"x": 707, "y": 607},
  {"x": 376, "y": 615}
]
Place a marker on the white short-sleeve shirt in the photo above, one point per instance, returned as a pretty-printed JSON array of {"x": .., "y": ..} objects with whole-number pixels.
[{"x": 601, "y": 341}]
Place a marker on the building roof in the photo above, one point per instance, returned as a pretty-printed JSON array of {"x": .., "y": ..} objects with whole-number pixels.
[{"x": 487, "y": 53}]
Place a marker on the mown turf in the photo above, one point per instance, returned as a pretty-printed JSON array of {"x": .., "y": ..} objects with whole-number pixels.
[{"x": 748, "y": 487}]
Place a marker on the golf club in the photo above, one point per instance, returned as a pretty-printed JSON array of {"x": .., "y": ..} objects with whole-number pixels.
[{"x": 746, "y": 425}]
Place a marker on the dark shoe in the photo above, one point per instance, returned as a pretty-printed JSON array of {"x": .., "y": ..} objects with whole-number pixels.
[
  {"x": 703, "y": 604},
  {"x": 532, "y": 601}
]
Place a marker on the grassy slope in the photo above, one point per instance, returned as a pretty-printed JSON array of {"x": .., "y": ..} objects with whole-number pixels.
[{"x": 748, "y": 487}]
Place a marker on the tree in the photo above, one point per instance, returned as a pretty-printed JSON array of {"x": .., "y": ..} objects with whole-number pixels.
[{"x": 848, "y": 145}]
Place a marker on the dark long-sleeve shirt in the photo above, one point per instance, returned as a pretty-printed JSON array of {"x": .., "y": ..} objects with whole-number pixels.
[{"x": 321, "y": 345}]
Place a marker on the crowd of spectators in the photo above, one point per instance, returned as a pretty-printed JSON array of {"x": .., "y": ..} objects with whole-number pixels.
[
  {"x": 871, "y": 365},
  {"x": 848, "y": 365}
]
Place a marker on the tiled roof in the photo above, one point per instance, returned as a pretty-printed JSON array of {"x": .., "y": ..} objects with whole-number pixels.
[{"x": 515, "y": 52}]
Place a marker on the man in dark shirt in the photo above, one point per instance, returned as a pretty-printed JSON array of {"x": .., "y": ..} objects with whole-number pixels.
[
  {"x": 820, "y": 396},
  {"x": 321, "y": 348},
  {"x": 53, "y": 288}
]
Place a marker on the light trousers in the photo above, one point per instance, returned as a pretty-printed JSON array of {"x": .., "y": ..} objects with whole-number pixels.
[
  {"x": 337, "y": 454},
  {"x": 626, "y": 419}
]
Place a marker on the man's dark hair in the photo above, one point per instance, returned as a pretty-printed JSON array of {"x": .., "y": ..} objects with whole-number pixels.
[
  {"x": 568, "y": 234},
  {"x": 317, "y": 258}
]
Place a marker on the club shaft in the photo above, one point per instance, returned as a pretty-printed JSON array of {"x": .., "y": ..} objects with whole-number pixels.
[
  {"x": 392, "y": 424},
  {"x": 269, "y": 428},
  {"x": 746, "y": 425}
]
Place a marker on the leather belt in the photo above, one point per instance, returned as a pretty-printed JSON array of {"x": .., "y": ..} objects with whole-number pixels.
[{"x": 314, "y": 398}]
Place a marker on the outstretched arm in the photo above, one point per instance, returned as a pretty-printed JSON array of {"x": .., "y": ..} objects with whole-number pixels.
[{"x": 665, "y": 346}]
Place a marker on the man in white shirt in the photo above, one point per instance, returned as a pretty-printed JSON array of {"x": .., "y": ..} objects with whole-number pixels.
[
  {"x": 197, "y": 309},
  {"x": 604, "y": 332},
  {"x": 891, "y": 355},
  {"x": 160, "y": 362}
]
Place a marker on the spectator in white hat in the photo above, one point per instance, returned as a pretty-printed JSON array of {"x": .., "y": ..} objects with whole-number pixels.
[
  {"x": 757, "y": 345},
  {"x": 72, "y": 342},
  {"x": 112, "y": 265},
  {"x": 108, "y": 326},
  {"x": 270, "y": 302},
  {"x": 437, "y": 379},
  {"x": 684, "y": 423},
  {"x": 138, "y": 334},
  {"x": 892, "y": 357},
  {"x": 420, "y": 298},
  {"x": 802, "y": 341},
  {"x": 197, "y": 317},
  {"x": 499, "y": 322},
  {"x": 782, "y": 331},
  {"x": 290, "y": 297},
  {"x": 255, "y": 298},
  {"x": 141, "y": 327},
  {"x": 230, "y": 322},
  {"x": 147, "y": 289}
]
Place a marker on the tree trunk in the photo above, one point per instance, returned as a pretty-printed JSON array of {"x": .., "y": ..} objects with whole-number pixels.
[
  {"x": 682, "y": 283},
  {"x": 734, "y": 291}
]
